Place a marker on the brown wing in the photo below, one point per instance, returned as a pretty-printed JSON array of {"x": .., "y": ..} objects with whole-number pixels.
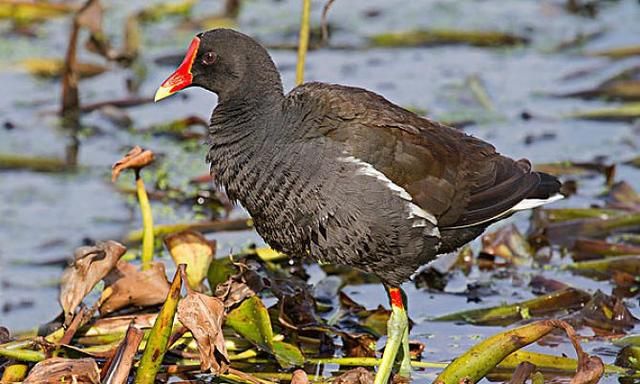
[{"x": 461, "y": 180}]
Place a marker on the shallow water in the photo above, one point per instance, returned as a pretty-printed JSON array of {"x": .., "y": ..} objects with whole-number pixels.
[{"x": 45, "y": 216}]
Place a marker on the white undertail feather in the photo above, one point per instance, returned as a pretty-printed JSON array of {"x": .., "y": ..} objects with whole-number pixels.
[
  {"x": 521, "y": 206},
  {"x": 534, "y": 203},
  {"x": 419, "y": 215}
]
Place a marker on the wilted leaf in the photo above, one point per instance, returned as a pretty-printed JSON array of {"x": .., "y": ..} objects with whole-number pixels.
[
  {"x": 119, "y": 324},
  {"x": 34, "y": 164},
  {"x": 508, "y": 243},
  {"x": 131, "y": 37},
  {"x": 586, "y": 249},
  {"x": 180, "y": 129},
  {"x": 90, "y": 265},
  {"x": 52, "y": 68},
  {"x": 127, "y": 285},
  {"x": 295, "y": 301},
  {"x": 621, "y": 90},
  {"x": 58, "y": 370},
  {"x": 565, "y": 299},
  {"x": 604, "y": 267},
  {"x": 5, "y": 335},
  {"x": 119, "y": 365},
  {"x": 446, "y": 36},
  {"x": 194, "y": 250},
  {"x": 136, "y": 159},
  {"x": 375, "y": 321},
  {"x": 203, "y": 316},
  {"x": 578, "y": 168},
  {"x": 211, "y": 22},
  {"x": 522, "y": 373},
  {"x": 239, "y": 286},
  {"x": 623, "y": 196},
  {"x": 358, "y": 345},
  {"x": 355, "y": 376},
  {"x": 606, "y": 314},
  {"x": 618, "y": 52},
  {"x": 623, "y": 112},
  {"x": 566, "y": 233},
  {"x": 90, "y": 16},
  {"x": 157, "y": 12},
  {"x": 25, "y": 11},
  {"x": 625, "y": 85}
]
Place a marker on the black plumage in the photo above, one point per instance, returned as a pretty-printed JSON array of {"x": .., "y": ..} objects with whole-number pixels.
[{"x": 345, "y": 176}]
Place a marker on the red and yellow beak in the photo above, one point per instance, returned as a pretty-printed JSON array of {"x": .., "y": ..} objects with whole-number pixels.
[{"x": 182, "y": 77}]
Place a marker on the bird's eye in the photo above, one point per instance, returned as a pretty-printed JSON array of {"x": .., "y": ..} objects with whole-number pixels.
[{"x": 209, "y": 58}]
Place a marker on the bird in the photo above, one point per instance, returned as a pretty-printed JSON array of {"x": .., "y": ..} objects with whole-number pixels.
[{"x": 343, "y": 175}]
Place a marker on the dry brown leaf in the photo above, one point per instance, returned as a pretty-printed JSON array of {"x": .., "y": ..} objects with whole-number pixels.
[
  {"x": 246, "y": 283},
  {"x": 90, "y": 265},
  {"x": 299, "y": 377},
  {"x": 522, "y": 373},
  {"x": 204, "y": 315},
  {"x": 127, "y": 285},
  {"x": 508, "y": 243},
  {"x": 194, "y": 250},
  {"x": 136, "y": 158},
  {"x": 355, "y": 376},
  {"x": 116, "y": 369},
  {"x": 90, "y": 16},
  {"x": 359, "y": 344},
  {"x": 5, "y": 335},
  {"x": 590, "y": 368},
  {"x": 58, "y": 370}
]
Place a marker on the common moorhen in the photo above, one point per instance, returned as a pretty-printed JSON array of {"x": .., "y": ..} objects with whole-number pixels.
[{"x": 344, "y": 175}]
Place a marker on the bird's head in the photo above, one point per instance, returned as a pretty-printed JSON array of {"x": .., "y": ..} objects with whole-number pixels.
[{"x": 225, "y": 62}]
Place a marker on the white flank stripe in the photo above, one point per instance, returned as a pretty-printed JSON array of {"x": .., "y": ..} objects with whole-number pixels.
[{"x": 415, "y": 212}]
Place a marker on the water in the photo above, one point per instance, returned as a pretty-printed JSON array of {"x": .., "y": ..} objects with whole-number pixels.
[{"x": 45, "y": 216}]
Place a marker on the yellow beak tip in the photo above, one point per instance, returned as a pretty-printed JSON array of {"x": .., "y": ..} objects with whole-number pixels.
[{"x": 162, "y": 93}]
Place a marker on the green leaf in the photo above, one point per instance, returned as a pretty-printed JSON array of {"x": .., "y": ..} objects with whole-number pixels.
[
  {"x": 219, "y": 272},
  {"x": 158, "y": 340},
  {"x": 288, "y": 355},
  {"x": 251, "y": 321}
]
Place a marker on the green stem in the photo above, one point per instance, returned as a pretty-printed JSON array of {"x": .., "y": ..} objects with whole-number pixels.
[
  {"x": 203, "y": 226},
  {"x": 370, "y": 362},
  {"x": 23, "y": 355},
  {"x": 303, "y": 43},
  {"x": 249, "y": 353},
  {"x": 147, "y": 223}
]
